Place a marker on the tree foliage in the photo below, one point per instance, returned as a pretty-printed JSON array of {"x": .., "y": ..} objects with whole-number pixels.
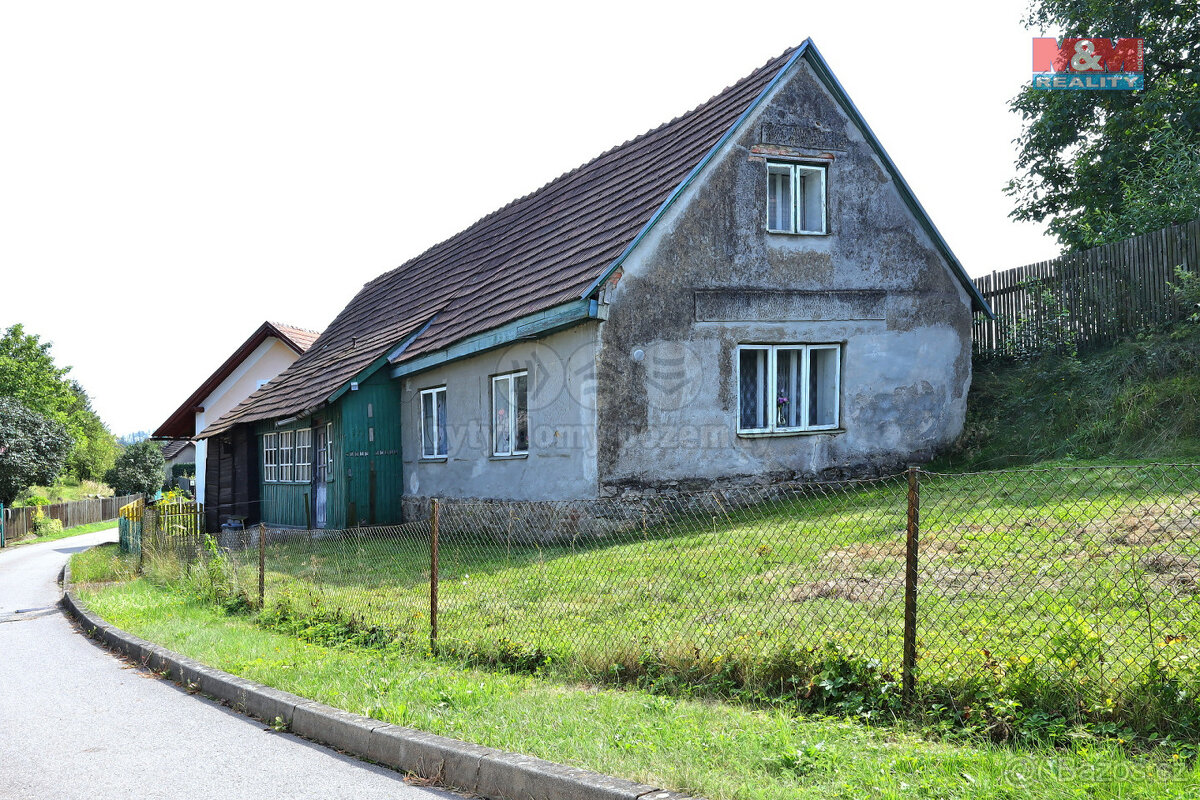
[
  {"x": 33, "y": 449},
  {"x": 1085, "y": 156},
  {"x": 139, "y": 469},
  {"x": 1162, "y": 190},
  {"x": 29, "y": 375}
]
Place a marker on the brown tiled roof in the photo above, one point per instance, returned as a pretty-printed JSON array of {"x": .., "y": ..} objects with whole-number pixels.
[
  {"x": 174, "y": 447},
  {"x": 181, "y": 424},
  {"x": 299, "y": 339},
  {"x": 539, "y": 251}
]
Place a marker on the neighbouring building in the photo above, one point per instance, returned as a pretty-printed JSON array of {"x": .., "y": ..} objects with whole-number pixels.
[
  {"x": 177, "y": 451},
  {"x": 271, "y": 349},
  {"x": 747, "y": 293}
]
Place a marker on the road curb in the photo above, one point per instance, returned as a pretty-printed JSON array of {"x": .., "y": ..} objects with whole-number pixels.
[{"x": 483, "y": 771}]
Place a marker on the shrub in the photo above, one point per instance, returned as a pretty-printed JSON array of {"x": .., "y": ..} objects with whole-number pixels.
[
  {"x": 43, "y": 525},
  {"x": 138, "y": 470}
]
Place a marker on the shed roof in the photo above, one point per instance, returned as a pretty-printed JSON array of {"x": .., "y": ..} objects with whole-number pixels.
[{"x": 549, "y": 247}]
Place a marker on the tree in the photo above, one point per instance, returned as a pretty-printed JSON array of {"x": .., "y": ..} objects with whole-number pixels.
[
  {"x": 96, "y": 450},
  {"x": 1162, "y": 190},
  {"x": 1080, "y": 149},
  {"x": 139, "y": 469},
  {"x": 33, "y": 449},
  {"x": 29, "y": 375}
]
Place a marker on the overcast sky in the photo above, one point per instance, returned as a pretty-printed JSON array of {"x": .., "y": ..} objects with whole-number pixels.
[{"x": 173, "y": 174}]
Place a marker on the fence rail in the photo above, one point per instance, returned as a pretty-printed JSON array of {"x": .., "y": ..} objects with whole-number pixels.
[
  {"x": 1088, "y": 298},
  {"x": 18, "y": 522},
  {"x": 1087, "y": 577}
]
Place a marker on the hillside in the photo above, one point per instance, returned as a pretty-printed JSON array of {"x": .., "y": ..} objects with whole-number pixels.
[{"x": 1137, "y": 400}]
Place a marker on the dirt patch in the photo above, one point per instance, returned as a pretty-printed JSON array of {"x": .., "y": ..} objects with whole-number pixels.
[
  {"x": 854, "y": 589},
  {"x": 1151, "y": 524},
  {"x": 930, "y": 547},
  {"x": 1168, "y": 563}
]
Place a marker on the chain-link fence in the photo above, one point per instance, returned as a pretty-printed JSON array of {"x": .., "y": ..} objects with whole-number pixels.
[{"x": 1068, "y": 580}]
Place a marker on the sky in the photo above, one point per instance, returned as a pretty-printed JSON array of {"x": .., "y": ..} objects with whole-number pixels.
[{"x": 174, "y": 174}]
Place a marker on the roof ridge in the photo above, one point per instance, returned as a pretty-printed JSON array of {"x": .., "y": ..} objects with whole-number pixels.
[{"x": 579, "y": 168}]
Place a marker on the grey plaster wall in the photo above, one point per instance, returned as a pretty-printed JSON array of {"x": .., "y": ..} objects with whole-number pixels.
[
  {"x": 710, "y": 277},
  {"x": 561, "y": 464}
]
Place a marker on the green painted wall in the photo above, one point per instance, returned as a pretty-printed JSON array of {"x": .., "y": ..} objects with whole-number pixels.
[
  {"x": 372, "y": 469},
  {"x": 365, "y": 481}
]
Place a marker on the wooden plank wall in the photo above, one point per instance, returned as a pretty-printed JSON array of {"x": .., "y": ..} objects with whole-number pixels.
[
  {"x": 18, "y": 522},
  {"x": 1090, "y": 298}
]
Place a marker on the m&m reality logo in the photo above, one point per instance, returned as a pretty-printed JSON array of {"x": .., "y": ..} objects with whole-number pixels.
[{"x": 1087, "y": 64}]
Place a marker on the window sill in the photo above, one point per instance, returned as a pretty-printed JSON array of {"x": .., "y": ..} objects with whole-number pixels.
[
  {"x": 766, "y": 434},
  {"x": 799, "y": 233},
  {"x": 433, "y": 459},
  {"x": 513, "y": 457}
]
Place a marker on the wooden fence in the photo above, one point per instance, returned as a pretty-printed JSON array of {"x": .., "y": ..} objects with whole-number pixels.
[
  {"x": 1089, "y": 298},
  {"x": 18, "y": 522}
]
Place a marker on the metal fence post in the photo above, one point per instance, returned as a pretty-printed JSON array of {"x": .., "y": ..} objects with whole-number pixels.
[
  {"x": 909, "y": 669},
  {"x": 433, "y": 579},
  {"x": 262, "y": 565}
]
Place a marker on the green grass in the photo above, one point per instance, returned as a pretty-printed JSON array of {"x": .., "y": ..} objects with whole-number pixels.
[
  {"x": 78, "y": 530},
  {"x": 707, "y": 747},
  {"x": 1069, "y": 590},
  {"x": 1137, "y": 399},
  {"x": 66, "y": 490}
]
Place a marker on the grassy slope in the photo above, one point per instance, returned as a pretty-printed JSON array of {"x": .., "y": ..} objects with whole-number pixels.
[
  {"x": 718, "y": 750},
  {"x": 1139, "y": 399},
  {"x": 66, "y": 490}
]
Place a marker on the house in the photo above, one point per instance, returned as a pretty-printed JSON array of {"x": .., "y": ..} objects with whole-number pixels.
[
  {"x": 177, "y": 451},
  {"x": 268, "y": 351},
  {"x": 748, "y": 292}
]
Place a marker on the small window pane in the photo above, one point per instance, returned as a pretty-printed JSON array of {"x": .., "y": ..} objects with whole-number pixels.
[
  {"x": 788, "y": 386},
  {"x": 521, "y": 412},
  {"x": 270, "y": 456},
  {"x": 752, "y": 389},
  {"x": 329, "y": 449},
  {"x": 811, "y": 200},
  {"x": 440, "y": 398},
  {"x": 823, "y": 387},
  {"x": 286, "y": 456},
  {"x": 428, "y": 424},
  {"x": 501, "y": 417},
  {"x": 304, "y": 454},
  {"x": 779, "y": 199}
]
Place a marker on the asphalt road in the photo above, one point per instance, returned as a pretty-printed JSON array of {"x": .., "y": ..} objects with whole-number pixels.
[{"x": 75, "y": 722}]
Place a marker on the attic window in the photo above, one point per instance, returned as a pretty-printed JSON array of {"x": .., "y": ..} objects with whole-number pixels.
[{"x": 795, "y": 198}]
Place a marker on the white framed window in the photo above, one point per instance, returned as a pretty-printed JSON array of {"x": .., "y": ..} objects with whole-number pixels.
[
  {"x": 795, "y": 198},
  {"x": 328, "y": 451},
  {"x": 304, "y": 455},
  {"x": 788, "y": 388},
  {"x": 510, "y": 414},
  {"x": 433, "y": 423},
  {"x": 270, "y": 457},
  {"x": 287, "y": 454}
]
